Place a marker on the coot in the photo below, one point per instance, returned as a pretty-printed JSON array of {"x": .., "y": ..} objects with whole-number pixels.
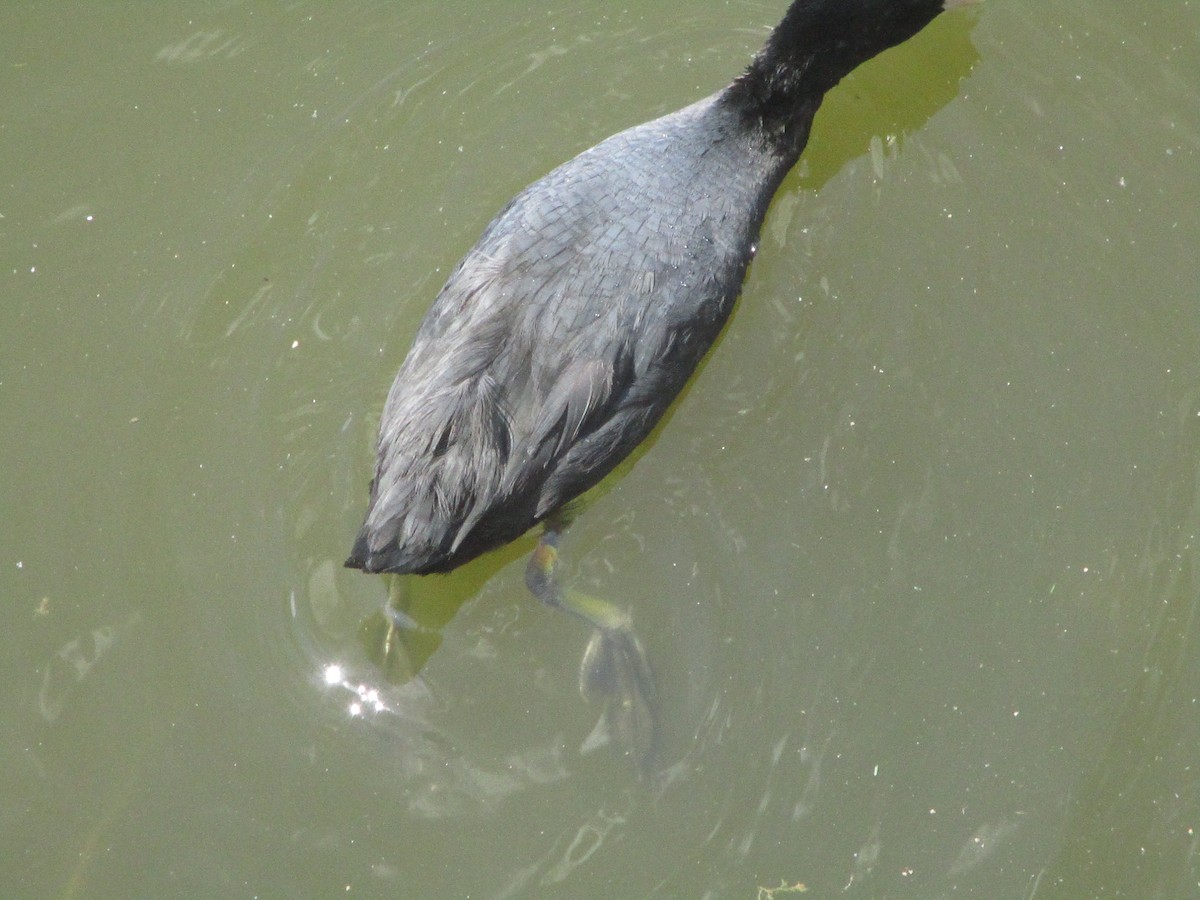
[{"x": 567, "y": 330}]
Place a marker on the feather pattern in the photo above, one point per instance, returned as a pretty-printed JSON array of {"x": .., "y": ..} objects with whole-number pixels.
[{"x": 565, "y": 332}]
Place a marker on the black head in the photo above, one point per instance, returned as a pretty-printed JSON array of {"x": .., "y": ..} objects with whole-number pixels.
[
  {"x": 817, "y": 44},
  {"x": 824, "y": 40}
]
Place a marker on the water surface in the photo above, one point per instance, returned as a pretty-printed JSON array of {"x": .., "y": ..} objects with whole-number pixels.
[{"x": 913, "y": 556}]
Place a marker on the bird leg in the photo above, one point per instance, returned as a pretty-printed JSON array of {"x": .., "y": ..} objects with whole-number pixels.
[
  {"x": 395, "y": 638},
  {"x": 615, "y": 669}
]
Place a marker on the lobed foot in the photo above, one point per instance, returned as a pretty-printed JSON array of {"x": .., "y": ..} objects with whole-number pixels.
[{"x": 616, "y": 672}]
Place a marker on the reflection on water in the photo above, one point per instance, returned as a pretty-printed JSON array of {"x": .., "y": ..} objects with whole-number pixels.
[
  {"x": 438, "y": 780},
  {"x": 73, "y": 662}
]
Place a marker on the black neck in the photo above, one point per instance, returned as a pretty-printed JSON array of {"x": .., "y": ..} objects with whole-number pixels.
[{"x": 817, "y": 44}]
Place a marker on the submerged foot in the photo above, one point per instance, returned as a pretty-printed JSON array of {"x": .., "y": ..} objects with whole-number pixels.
[
  {"x": 396, "y": 641},
  {"x": 616, "y": 672},
  {"x": 396, "y": 648}
]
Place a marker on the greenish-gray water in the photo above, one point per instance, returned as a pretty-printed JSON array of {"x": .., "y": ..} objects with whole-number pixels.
[{"x": 913, "y": 557}]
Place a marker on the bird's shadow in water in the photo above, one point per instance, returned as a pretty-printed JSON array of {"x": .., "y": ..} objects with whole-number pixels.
[
  {"x": 406, "y": 630},
  {"x": 897, "y": 93}
]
